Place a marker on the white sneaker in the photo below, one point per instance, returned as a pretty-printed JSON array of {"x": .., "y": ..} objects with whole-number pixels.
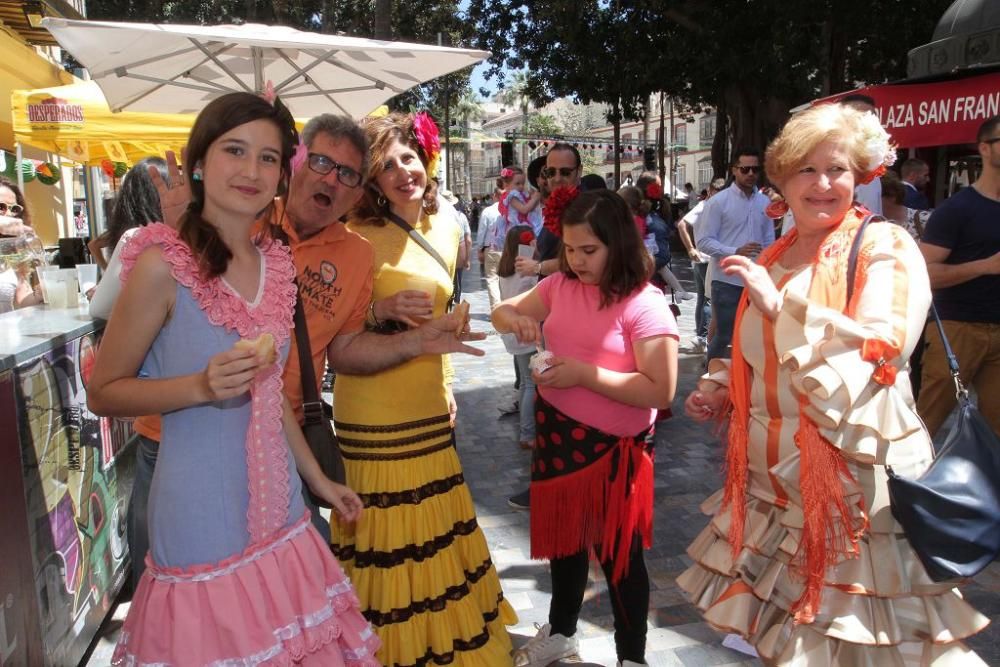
[
  {"x": 684, "y": 296},
  {"x": 698, "y": 344},
  {"x": 545, "y": 648}
]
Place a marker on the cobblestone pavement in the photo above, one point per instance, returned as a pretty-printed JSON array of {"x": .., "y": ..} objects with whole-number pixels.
[{"x": 687, "y": 471}]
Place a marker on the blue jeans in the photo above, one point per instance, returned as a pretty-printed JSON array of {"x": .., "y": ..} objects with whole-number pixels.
[
  {"x": 725, "y": 299},
  {"x": 136, "y": 525},
  {"x": 703, "y": 309},
  {"x": 527, "y": 399}
]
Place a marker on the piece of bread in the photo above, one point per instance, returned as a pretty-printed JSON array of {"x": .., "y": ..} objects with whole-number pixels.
[
  {"x": 262, "y": 346},
  {"x": 462, "y": 309}
]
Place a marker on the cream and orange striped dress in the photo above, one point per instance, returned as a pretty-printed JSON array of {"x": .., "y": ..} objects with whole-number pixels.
[{"x": 879, "y": 607}]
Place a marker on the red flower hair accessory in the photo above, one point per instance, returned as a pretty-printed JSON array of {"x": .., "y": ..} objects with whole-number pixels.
[
  {"x": 777, "y": 209},
  {"x": 654, "y": 191},
  {"x": 506, "y": 173},
  {"x": 526, "y": 237},
  {"x": 555, "y": 205},
  {"x": 425, "y": 131}
]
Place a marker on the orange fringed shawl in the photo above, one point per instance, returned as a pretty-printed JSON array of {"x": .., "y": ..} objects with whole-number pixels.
[{"x": 830, "y": 533}]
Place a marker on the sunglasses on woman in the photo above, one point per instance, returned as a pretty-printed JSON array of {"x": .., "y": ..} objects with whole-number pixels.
[{"x": 14, "y": 210}]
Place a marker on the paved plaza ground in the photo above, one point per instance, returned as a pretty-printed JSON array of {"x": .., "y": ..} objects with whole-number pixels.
[{"x": 688, "y": 462}]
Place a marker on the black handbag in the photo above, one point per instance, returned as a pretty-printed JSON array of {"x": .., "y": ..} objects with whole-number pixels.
[
  {"x": 951, "y": 513},
  {"x": 316, "y": 427}
]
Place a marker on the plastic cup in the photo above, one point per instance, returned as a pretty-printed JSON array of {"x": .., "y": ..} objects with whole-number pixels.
[
  {"x": 60, "y": 287},
  {"x": 421, "y": 284},
  {"x": 87, "y": 275}
]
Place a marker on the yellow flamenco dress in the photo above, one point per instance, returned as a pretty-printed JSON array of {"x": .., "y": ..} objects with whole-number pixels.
[{"x": 418, "y": 559}]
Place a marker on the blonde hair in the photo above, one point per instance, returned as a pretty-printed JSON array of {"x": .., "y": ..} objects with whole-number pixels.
[
  {"x": 808, "y": 129},
  {"x": 381, "y": 133}
]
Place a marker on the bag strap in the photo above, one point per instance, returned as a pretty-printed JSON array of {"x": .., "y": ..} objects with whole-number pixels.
[
  {"x": 961, "y": 393},
  {"x": 420, "y": 240},
  {"x": 852, "y": 259},
  {"x": 312, "y": 407},
  {"x": 429, "y": 249}
]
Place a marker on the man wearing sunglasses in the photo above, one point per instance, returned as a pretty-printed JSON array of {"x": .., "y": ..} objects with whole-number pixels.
[
  {"x": 563, "y": 168},
  {"x": 733, "y": 223}
]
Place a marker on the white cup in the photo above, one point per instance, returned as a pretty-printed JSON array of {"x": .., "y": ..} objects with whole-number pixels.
[
  {"x": 87, "y": 275},
  {"x": 60, "y": 287}
]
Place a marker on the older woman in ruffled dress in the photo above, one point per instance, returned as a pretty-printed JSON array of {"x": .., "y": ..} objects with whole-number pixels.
[{"x": 802, "y": 556}]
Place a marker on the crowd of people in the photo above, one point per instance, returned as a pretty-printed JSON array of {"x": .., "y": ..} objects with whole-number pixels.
[{"x": 233, "y": 563}]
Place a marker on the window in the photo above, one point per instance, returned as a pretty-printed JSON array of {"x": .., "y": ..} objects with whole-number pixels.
[
  {"x": 706, "y": 130},
  {"x": 704, "y": 173},
  {"x": 680, "y": 134},
  {"x": 680, "y": 176}
]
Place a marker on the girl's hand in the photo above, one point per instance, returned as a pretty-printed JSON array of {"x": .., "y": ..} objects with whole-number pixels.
[
  {"x": 526, "y": 329},
  {"x": 760, "y": 287},
  {"x": 702, "y": 406},
  {"x": 175, "y": 197},
  {"x": 344, "y": 501},
  {"x": 410, "y": 307},
  {"x": 228, "y": 374},
  {"x": 563, "y": 373}
]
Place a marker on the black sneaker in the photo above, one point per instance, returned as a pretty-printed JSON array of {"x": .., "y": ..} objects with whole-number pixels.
[{"x": 521, "y": 501}]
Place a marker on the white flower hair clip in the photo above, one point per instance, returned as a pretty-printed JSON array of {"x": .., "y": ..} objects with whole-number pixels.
[{"x": 878, "y": 145}]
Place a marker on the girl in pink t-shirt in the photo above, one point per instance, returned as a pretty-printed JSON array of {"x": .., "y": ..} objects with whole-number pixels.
[{"x": 612, "y": 363}]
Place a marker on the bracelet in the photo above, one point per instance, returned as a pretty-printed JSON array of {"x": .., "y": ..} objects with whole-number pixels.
[
  {"x": 538, "y": 269},
  {"x": 371, "y": 310}
]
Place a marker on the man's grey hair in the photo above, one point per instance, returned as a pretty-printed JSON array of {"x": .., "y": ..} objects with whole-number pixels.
[{"x": 339, "y": 128}]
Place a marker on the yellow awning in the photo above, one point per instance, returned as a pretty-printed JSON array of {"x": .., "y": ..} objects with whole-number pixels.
[
  {"x": 22, "y": 67},
  {"x": 75, "y": 122}
]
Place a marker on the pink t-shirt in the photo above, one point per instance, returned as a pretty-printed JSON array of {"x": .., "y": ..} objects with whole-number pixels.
[{"x": 606, "y": 341}]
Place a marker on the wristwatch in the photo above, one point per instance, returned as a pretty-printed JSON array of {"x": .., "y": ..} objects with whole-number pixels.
[{"x": 538, "y": 269}]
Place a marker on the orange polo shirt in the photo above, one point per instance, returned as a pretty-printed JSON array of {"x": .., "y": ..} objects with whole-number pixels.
[{"x": 335, "y": 271}]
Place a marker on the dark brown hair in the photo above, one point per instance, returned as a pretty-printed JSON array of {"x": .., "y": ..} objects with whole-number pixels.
[
  {"x": 892, "y": 187},
  {"x": 18, "y": 197},
  {"x": 381, "y": 133},
  {"x": 506, "y": 266},
  {"x": 220, "y": 116},
  {"x": 629, "y": 266},
  {"x": 636, "y": 200}
]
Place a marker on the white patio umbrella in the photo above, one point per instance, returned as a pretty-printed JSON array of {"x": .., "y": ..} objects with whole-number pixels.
[{"x": 171, "y": 68}]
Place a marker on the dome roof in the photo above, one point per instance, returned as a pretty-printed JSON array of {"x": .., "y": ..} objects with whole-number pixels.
[{"x": 967, "y": 35}]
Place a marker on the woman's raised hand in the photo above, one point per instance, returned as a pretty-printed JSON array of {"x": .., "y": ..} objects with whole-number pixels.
[
  {"x": 175, "y": 197},
  {"x": 759, "y": 285}
]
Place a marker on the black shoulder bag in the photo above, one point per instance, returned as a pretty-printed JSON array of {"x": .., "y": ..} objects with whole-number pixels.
[
  {"x": 316, "y": 427},
  {"x": 951, "y": 513}
]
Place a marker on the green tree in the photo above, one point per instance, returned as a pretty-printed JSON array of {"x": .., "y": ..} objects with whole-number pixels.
[
  {"x": 468, "y": 107},
  {"x": 751, "y": 61},
  {"x": 541, "y": 123}
]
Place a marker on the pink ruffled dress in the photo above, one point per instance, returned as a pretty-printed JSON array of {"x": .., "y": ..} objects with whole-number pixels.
[{"x": 236, "y": 574}]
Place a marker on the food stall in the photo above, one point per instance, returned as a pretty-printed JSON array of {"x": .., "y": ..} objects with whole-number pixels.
[{"x": 65, "y": 478}]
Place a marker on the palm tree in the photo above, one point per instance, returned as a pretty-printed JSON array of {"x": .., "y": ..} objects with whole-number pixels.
[
  {"x": 517, "y": 95},
  {"x": 468, "y": 107}
]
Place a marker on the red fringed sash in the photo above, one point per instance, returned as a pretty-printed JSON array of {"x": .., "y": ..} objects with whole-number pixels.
[{"x": 589, "y": 489}]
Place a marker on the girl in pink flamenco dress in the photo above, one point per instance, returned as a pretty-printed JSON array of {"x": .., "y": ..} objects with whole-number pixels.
[{"x": 236, "y": 574}]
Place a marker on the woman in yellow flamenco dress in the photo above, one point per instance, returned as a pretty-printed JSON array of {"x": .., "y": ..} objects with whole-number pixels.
[{"x": 418, "y": 559}]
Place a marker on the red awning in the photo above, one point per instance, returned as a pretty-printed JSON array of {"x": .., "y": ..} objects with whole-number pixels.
[{"x": 934, "y": 114}]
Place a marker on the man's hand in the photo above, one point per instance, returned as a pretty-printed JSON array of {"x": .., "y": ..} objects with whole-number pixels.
[
  {"x": 526, "y": 266},
  {"x": 438, "y": 336},
  {"x": 175, "y": 197},
  {"x": 751, "y": 249}
]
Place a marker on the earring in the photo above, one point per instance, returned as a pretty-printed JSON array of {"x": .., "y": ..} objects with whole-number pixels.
[
  {"x": 381, "y": 201},
  {"x": 196, "y": 174}
]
